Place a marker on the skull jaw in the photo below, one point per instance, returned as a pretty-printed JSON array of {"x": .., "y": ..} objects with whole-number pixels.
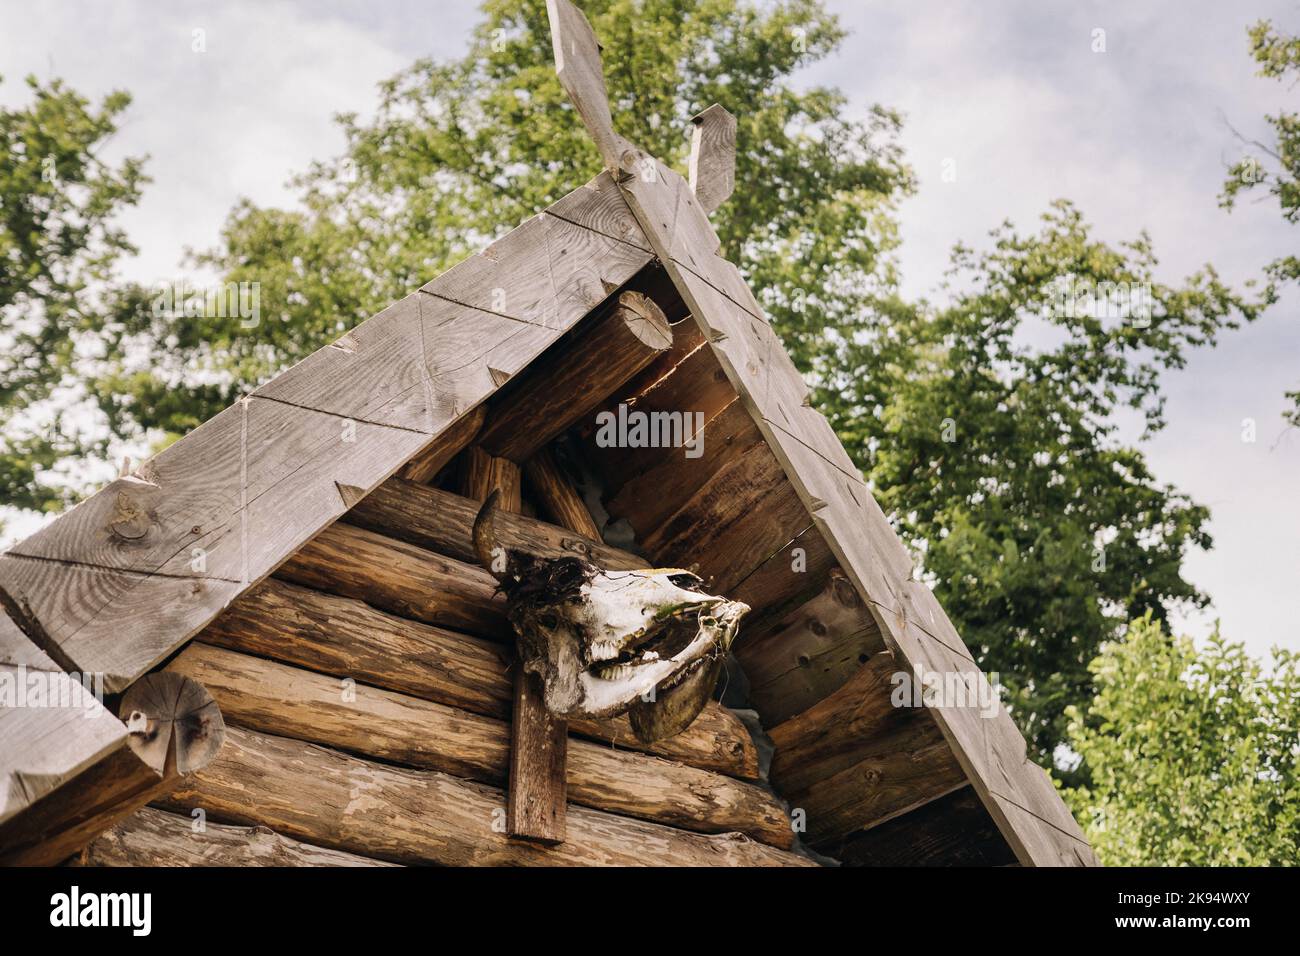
[{"x": 664, "y": 696}]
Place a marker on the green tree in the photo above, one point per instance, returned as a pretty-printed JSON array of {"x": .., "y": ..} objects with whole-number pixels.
[
  {"x": 1275, "y": 168},
  {"x": 1006, "y": 518},
  {"x": 58, "y": 245},
  {"x": 1193, "y": 756},
  {"x": 990, "y": 429},
  {"x": 460, "y": 152}
]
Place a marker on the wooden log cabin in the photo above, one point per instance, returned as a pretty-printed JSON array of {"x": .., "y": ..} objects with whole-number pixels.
[{"x": 304, "y": 663}]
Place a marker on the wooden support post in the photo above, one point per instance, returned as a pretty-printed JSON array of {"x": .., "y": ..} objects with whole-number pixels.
[
  {"x": 535, "y": 809},
  {"x": 557, "y": 495}
]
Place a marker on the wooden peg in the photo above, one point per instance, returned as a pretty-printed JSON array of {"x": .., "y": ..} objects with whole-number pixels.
[{"x": 713, "y": 157}]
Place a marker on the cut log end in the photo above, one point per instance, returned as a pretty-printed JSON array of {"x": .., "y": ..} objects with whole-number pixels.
[
  {"x": 174, "y": 724},
  {"x": 645, "y": 320}
]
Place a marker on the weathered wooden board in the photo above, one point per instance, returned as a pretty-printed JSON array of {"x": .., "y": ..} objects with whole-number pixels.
[
  {"x": 425, "y": 466},
  {"x": 124, "y": 579},
  {"x": 662, "y": 480},
  {"x": 732, "y": 523},
  {"x": 627, "y": 335},
  {"x": 153, "y": 837},
  {"x": 345, "y": 638},
  {"x": 273, "y": 698},
  {"x": 558, "y": 498},
  {"x": 810, "y": 652},
  {"x": 905, "y": 765},
  {"x": 51, "y": 727},
  {"x": 843, "y": 510},
  {"x": 330, "y": 799},
  {"x": 713, "y": 157},
  {"x": 66, "y": 819}
]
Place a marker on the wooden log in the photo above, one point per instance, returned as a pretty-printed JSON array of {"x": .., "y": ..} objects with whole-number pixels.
[
  {"x": 425, "y": 466},
  {"x": 442, "y": 521},
  {"x": 539, "y": 741},
  {"x": 954, "y": 830},
  {"x": 153, "y": 837},
  {"x": 661, "y": 483},
  {"x": 371, "y": 722},
  {"x": 401, "y": 579},
  {"x": 853, "y": 760},
  {"x": 733, "y": 522},
  {"x": 157, "y": 838},
  {"x": 327, "y": 798},
  {"x": 346, "y": 638},
  {"x": 694, "y": 384},
  {"x": 485, "y": 474},
  {"x": 557, "y": 496},
  {"x": 578, "y": 379},
  {"x": 65, "y": 820},
  {"x": 810, "y": 652},
  {"x": 174, "y": 729}
]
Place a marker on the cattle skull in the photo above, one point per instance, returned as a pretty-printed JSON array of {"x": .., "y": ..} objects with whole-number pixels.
[{"x": 650, "y": 643}]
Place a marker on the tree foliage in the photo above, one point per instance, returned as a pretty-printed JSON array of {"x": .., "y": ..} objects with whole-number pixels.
[
  {"x": 58, "y": 244},
  {"x": 1193, "y": 756},
  {"x": 1007, "y": 515},
  {"x": 990, "y": 429},
  {"x": 1274, "y": 168}
]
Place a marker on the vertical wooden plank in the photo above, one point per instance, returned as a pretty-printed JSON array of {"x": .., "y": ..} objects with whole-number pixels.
[{"x": 539, "y": 742}]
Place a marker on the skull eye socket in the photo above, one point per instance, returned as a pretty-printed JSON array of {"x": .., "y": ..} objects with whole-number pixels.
[
  {"x": 549, "y": 621},
  {"x": 686, "y": 580}
]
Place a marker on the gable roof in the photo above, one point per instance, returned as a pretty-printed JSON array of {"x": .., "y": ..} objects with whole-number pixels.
[{"x": 127, "y": 577}]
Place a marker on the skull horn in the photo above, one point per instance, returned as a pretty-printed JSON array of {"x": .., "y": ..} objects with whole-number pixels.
[{"x": 485, "y": 533}]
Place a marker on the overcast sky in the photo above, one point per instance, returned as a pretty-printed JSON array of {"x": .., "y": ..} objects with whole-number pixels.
[{"x": 1011, "y": 92}]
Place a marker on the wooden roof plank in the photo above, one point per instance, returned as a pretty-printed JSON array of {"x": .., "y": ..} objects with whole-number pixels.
[
  {"x": 45, "y": 741},
  {"x": 839, "y": 503},
  {"x": 167, "y": 548}
]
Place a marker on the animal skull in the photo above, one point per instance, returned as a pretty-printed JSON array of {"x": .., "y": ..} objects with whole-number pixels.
[{"x": 650, "y": 643}]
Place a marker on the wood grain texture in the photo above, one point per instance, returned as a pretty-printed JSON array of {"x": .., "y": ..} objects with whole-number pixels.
[
  {"x": 539, "y": 741},
  {"x": 577, "y": 63},
  {"x": 443, "y": 521},
  {"x": 845, "y": 513},
  {"x": 396, "y": 728},
  {"x": 153, "y": 837},
  {"x": 51, "y": 727},
  {"x": 713, "y": 157},
  {"x": 810, "y": 652},
  {"x": 345, "y": 638},
  {"x": 401, "y": 579},
  {"x": 660, "y": 484},
  {"x": 128, "y": 576},
  {"x": 954, "y": 830},
  {"x": 330, "y": 799},
  {"x": 905, "y": 766},
  {"x": 558, "y": 497},
  {"x": 580, "y": 375},
  {"x": 732, "y": 523},
  {"x": 66, "y": 819},
  {"x": 425, "y": 466}
]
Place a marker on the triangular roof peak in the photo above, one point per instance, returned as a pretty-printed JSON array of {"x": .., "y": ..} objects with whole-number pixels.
[{"x": 121, "y": 581}]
